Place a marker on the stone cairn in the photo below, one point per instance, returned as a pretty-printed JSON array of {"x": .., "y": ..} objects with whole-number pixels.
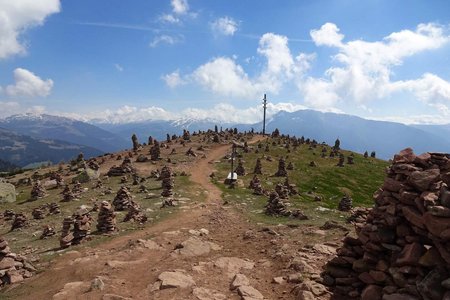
[
  {"x": 167, "y": 182},
  {"x": 240, "y": 170},
  {"x": 290, "y": 166},
  {"x": 255, "y": 184},
  {"x": 125, "y": 168},
  {"x": 39, "y": 212},
  {"x": 402, "y": 249},
  {"x": 77, "y": 189},
  {"x": 346, "y": 203},
  {"x": 155, "y": 151},
  {"x": 38, "y": 191},
  {"x": 277, "y": 207},
  {"x": 258, "y": 167},
  {"x": 135, "y": 214},
  {"x": 106, "y": 222},
  {"x": 373, "y": 154},
  {"x": 282, "y": 191},
  {"x": 48, "y": 231},
  {"x": 81, "y": 226},
  {"x": 66, "y": 235},
  {"x": 190, "y": 152},
  {"x": 13, "y": 268},
  {"x": 341, "y": 161},
  {"x": 350, "y": 160},
  {"x": 290, "y": 187},
  {"x": 20, "y": 220},
  {"x": 135, "y": 142},
  {"x": 68, "y": 195},
  {"x": 123, "y": 199},
  {"x": 54, "y": 209},
  {"x": 366, "y": 154},
  {"x": 281, "y": 168},
  {"x": 9, "y": 215}
]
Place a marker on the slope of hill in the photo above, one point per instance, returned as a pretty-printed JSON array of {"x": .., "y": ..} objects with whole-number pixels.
[
  {"x": 358, "y": 134},
  {"x": 22, "y": 150},
  {"x": 64, "y": 129}
]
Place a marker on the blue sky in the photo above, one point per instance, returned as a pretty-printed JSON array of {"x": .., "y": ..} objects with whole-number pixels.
[{"x": 126, "y": 61}]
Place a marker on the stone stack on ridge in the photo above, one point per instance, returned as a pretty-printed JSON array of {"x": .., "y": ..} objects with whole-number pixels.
[
  {"x": 81, "y": 226},
  {"x": 345, "y": 204},
  {"x": 122, "y": 199},
  {"x": 155, "y": 151},
  {"x": 106, "y": 222},
  {"x": 66, "y": 235},
  {"x": 402, "y": 250}
]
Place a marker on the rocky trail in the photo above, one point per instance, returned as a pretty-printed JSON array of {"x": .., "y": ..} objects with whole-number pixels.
[{"x": 206, "y": 251}]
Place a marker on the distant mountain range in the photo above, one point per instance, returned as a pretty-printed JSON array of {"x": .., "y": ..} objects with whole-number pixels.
[
  {"x": 64, "y": 129},
  {"x": 55, "y": 138},
  {"x": 22, "y": 150}
]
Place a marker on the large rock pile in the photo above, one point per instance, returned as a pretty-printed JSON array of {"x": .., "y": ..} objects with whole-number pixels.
[
  {"x": 123, "y": 199},
  {"x": 13, "y": 268},
  {"x": 106, "y": 222},
  {"x": 403, "y": 249}
]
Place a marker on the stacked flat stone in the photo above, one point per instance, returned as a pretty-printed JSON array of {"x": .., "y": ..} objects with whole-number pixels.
[
  {"x": 125, "y": 168},
  {"x": 81, "y": 226},
  {"x": 20, "y": 220},
  {"x": 190, "y": 152},
  {"x": 186, "y": 135},
  {"x": 276, "y": 206},
  {"x": 106, "y": 222},
  {"x": 167, "y": 185},
  {"x": 93, "y": 164},
  {"x": 123, "y": 199},
  {"x": 53, "y": 208},
  {"x": 59, "y": 179},
  {"x": 166, "y": 172},
  {"x": 350, "y": 160},
  {"x": 345, "y": 204},
  {"x": 13, "y": 268},
  {"x": 282, "y": 191},
  {"x": 77, "y": 189},
  {"x": 66, "y": 235},
  {"x": 68, "y": 195},
  {"x": 290, "y": 187},
  {"x": 358, "y": 215},
  {"x": 281, "y": 172},
  {"x": 155, "y": 151},
  {"x": 38, "y": 191},
  {"x": 9, "y": 215},
  {"x": 258, "y": 167},
  {"x": 135, "y": 214},
  {"x": 290, "y": 166},
  {"x": 47, "y": 232},
  {"x": 402, "y": 248},
  {"x": 39, "y": 212},
  {"x": 255, "y": 181},
  {"x": 341, "y": 161},
  {"x": 240, "y": 170}
]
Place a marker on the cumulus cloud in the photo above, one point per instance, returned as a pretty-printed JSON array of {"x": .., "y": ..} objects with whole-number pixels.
[
  {"x": 169, "y": 18},
  {"x": 180, "y": 7},
  {"x": 224, "y": 76},
  {"x": 364, "y": 69},
  {"x": 224, "y": 26},
  {"x": 173, "y": 79},
  {"x": 27, "y": 84},
  {"x": 16, "y": 17},
  {"x": 165, "y": 39}
]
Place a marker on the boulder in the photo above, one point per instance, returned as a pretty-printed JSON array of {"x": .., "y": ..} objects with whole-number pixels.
[{"x": 7, "y": 192}]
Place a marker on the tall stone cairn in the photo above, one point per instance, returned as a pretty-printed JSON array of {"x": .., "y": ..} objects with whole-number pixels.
[
  {"x": 402, "y": 250},
  {"x": 166, "y": 172},
  {"x": 14, "y": 268},
  {"x": 341, "y": 161},
  {"x": 155, "y": 151},
  {"x": 66, "y": 235},
  {"x": 20, "y": 220},
  {"x": 38, "y": 191},
  {"x": 346, "y": 203},
  {"x": 123, "y": 199},
  {"x": 39, "y": 212},
  {"x": 167, "y": 185},
  {"x": 258, "y": 167},
  {"x": 135, "y": 142},
  {"x": 282, "y": 191},
  {"x": 240, "y": 170},
  {"x": 106, "y": 222},
  {"x": 281, "y": 168},
  {"x": 81, "y": 226}
]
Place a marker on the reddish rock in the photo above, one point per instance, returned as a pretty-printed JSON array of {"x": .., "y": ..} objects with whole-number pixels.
[
  {"x": 435, "y": 225},
  {"x": 371, "y": 292},
  {"x": 423, "y": 179},
  {"x": 413, "y": 215},
  {"x": 410, "y": 254}
]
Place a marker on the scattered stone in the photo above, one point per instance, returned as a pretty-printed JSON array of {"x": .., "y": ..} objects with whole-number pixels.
[{"x": 175, "y": 279}]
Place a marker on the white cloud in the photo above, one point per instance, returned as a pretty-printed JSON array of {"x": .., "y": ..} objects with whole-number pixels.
[
  {"x": 169, "y": 18},
  {"x": 180, "y": 7},
  {"x": 327, "y": 35},
  {"x": 166, "y": 39},
  {"x": 118, "y": 67},
  {"x": 224, "y": 26},
  {"x": 365, "y": 68},
  {"x": 27, "y": 84},
  {"x": 9, "y": 108},
  {"x": 173, "y": 79},
  {"x": 224, "y": 76},
  {"x": 16, "y": 16}
]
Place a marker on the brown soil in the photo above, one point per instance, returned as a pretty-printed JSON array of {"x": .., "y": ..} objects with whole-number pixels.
[{"x": 131, "y": 271}]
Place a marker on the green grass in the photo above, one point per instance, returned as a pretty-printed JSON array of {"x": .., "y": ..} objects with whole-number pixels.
[{"x": 328, "y": 181}]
